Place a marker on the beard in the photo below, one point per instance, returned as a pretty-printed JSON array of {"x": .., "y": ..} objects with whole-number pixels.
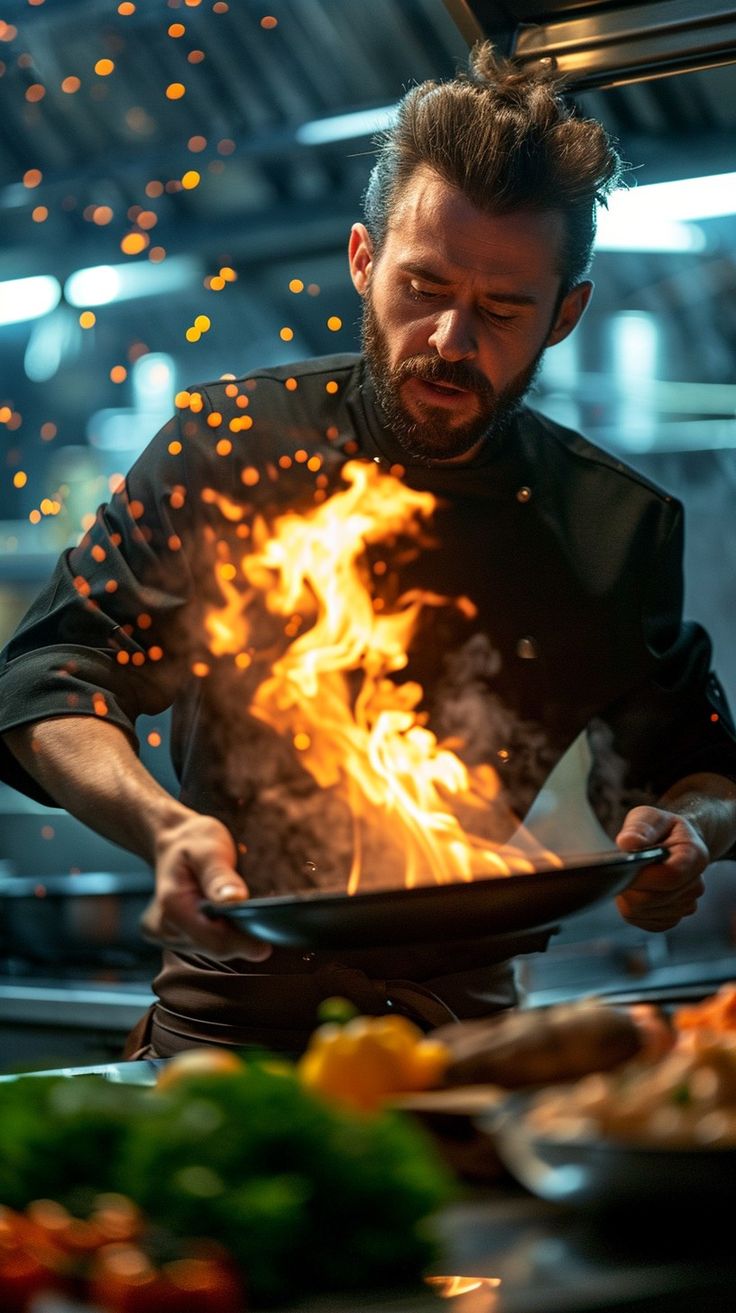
[{"x": 434, "y": 436}]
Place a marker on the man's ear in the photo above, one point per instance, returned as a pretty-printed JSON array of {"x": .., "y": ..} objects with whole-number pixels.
[
  {"x": 360, "y": 256},
  {"x": 570, "y": 312}
]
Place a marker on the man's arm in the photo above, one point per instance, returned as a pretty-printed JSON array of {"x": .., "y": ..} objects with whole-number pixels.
[
  {"x": 696, "y": 821},
  {"x": 90, "y": 768}
]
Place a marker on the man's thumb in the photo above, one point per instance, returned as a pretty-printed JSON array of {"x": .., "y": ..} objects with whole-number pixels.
[{"x": 221, "y": 884}]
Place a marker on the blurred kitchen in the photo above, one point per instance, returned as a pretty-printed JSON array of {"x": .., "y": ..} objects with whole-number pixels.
[{"x": 177, "y": 182}]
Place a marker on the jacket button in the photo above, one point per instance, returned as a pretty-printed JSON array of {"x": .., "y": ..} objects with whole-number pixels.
[
  {"x": 524, "y": 494},
  {"x": 527, "y": 649}
]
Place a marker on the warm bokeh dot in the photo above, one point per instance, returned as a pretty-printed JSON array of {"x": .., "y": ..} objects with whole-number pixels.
[
  {"x": 334, "y": 323},
  {"x": 134, "y": 243},
  {"x": 197, "y": 143},
  {"x": 126, "y": 7},
  {"x": 175, "y": 91},
  {"x": 154, "y": 738},
  {"x": 195, "y": 56},
  {"x": 191, "y": 179},
  {"x": 286, "y": 334},
  {"x": 176, "y": 29},
  {"x": 32, "y": 177},
  {"x": 268, "y": 22},
  {"x": 39, "y": 214},
  {"x": 70, "y": 85},
  {"x": 157, "y": 254},
  {"x": 87, "y": 319},
  {"x": 104, "y": 67},
  {"x": 118, "y": 374},
  {"x": 154, "y": 188},
  {"x": 35, "y": 93},
  {"x": 20, "y": 479},
  {"x": 296, "y": 285}
]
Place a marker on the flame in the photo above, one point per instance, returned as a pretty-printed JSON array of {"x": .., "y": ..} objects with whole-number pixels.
[
  {"x": 485, "y": 1290},
  {"x": 373, "y": 744}
]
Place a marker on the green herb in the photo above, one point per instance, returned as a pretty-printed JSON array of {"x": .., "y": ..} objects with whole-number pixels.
[{"x": 305, "y": 1196}]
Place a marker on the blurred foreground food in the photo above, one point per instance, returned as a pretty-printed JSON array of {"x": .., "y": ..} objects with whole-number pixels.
[
  {"x": 301, "y": 1194},
  {"x": 243, "y": 1181},
  {"x": 541, "y": 1045},
  {"x": 684, "y": 1100}
]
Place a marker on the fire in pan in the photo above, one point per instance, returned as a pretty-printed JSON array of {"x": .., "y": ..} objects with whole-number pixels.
[{"x": 496, "y": 907}]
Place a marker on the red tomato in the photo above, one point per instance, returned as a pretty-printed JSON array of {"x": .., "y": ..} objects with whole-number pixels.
[{"x": 22, "y": 1276}]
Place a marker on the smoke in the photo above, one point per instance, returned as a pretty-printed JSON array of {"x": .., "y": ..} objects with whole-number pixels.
[{"x": 468, "y": 712}]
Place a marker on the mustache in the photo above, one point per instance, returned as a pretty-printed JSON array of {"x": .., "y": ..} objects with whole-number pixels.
[{"x": 456, "y": 373}]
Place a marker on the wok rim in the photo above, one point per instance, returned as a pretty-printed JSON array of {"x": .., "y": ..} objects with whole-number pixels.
[{"x": 287, "y": 919}]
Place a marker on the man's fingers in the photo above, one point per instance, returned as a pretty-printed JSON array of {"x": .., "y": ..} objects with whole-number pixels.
[
  {"x": 174, "y": 918},
  {"x": 643, "y": 828}
]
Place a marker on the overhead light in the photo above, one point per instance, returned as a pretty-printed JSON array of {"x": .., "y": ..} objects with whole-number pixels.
[
  {"x": 710, "y": 197},
  {"x": 618, "y": 232},
  {"x": 360, "y": 123},
  {"x": 105, "y": 283},
  {"x": 95, "y": 286},
  {"x": 658, "y": 216},
  {"x": 28, "y": 298}
]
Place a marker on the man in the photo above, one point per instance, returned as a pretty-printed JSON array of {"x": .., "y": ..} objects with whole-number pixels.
[{"x": 480, "y": 217}]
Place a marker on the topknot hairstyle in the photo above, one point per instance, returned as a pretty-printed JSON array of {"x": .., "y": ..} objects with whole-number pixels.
[{"x": 504, "y": 135}]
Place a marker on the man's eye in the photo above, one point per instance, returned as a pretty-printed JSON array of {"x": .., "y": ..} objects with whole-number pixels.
[
  {"x": 421, "y": 293},
  {"x": 496, "y": 317}
]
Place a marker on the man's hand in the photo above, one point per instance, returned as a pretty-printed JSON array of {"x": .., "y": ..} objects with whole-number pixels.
[
  {"x": 664, "y": 892},
  {"x": 195, "y": 859}
]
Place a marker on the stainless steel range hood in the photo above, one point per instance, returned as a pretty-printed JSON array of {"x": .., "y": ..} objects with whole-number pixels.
[{"x": 598, "y": 44}]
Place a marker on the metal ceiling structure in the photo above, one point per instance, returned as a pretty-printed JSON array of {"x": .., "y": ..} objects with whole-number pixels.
[
  {"x": 595, "y": 43},
  {"x": 179, "y": 124}
]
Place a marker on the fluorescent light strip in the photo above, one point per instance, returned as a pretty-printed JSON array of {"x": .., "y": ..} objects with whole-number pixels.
[
  {"x": 22, "y": 299},
  {"x": 624, "y": 233},
  {"x": 341, "y": 127},
  {"x": 710, "y": 197},
  {"x": 105, "y": 283}
]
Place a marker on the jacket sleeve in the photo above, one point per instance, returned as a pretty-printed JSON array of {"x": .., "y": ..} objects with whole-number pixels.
[
  {"x": 113, "y": 632},
  {"x": 677, "y": 721}
]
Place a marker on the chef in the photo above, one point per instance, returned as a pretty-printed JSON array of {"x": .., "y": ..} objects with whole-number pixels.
[{"x": 471, "y": 261}]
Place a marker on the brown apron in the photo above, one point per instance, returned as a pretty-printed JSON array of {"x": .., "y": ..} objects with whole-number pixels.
[{"x": 275, "y": 1005}]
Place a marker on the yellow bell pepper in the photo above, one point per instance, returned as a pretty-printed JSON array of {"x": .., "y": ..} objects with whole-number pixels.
[{"x": 370, "y": 1058}]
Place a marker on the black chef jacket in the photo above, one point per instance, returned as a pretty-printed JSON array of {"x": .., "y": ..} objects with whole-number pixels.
[{"x": 573, "y": 564}]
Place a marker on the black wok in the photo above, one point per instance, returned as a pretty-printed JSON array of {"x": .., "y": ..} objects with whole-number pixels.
[{"x": 497, "y": 907}]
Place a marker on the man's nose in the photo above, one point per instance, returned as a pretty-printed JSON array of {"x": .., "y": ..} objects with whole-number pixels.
[{"x": 453, "y": 337}]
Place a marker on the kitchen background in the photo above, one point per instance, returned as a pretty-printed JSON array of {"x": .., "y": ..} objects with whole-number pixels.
[{"x": 177, "y": 182}]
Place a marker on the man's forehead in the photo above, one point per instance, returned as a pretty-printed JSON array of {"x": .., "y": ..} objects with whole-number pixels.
[{"x": 434, "y": 221}]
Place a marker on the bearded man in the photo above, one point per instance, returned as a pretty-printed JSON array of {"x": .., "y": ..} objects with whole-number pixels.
[{"x": 553, "y": 573}]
